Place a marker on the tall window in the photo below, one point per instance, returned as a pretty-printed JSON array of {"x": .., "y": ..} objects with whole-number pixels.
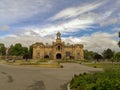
[{"x": 58, "y": 47}]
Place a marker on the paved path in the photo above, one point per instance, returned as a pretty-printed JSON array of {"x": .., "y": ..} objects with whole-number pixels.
[{"x": 36, "y": 78}]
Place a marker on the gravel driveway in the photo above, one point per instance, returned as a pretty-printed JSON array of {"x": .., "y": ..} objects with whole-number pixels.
[{"x": 36, "y": 78}]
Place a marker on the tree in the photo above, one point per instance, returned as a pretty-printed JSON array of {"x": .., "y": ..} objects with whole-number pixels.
[
  {"x": 117, "y": 56},
  {"x": 31, "y": 51},
  {"x": 26, "y": 56},
  {"x": 11, "y": 50},
  {"x": 89, "y": 55},
  {"x": 108, "y": 54},
  {"x": 18, "y": 50},
  {"x": 98, "y": 57},
  {"x": 25, "y": 50},
  {"x": 119, "y": 43},
  {"x": 2, "y": 49}
]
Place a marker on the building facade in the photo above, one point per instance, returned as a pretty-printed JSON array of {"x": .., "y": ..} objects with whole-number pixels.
[{"x": 58, "y": 50}]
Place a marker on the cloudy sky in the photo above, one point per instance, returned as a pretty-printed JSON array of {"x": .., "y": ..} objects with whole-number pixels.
[{"x": 94, "y": 23}]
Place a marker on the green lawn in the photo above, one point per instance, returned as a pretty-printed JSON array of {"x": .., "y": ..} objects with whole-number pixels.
[
  {"x": 38, "y": 63},
  {"x": 109, "y": 79},
  {"x": 103, "y": 65}
]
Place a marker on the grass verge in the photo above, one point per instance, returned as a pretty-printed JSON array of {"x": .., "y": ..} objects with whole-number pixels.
[
  {"x": 103, "y": 65},
  {"x": 35, "y": 63}
]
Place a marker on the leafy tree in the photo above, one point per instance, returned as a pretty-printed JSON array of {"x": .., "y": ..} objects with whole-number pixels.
[
  {"x": 117, "y": 56},
  {"x": 98, "y": 57},
  {"x": 25, "y": 50},
  {"x": 11, "y": 50},
  {"x": 30, "y": 51},
  {"x": 119, "y": 43},
  {"x": 2, "y": 49},
  {"x": 89, "y": 55},
  {"x": 119, "y": 34},
  {"x": 108, "y": 54},
  {"x": 26, "y": 56},
  {"x": 18, "y": 50}
]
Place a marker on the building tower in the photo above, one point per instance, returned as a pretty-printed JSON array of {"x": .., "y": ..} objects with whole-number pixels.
[{"x": 58, "y": 37}]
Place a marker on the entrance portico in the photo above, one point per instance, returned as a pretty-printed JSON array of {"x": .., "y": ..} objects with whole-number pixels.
[{"x": 58, "y": 56}]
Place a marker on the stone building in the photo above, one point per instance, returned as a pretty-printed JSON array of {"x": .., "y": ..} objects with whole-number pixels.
[{"x": 58, "y": 50}]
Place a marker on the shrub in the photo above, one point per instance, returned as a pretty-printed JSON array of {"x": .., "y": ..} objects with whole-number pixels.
[
  {"x": 95, "y": 66},
  {"x": 29, "y": 63},
  {"x": 61, "y": 66},
  {"x": 108, "y": 80},
  {"x": 38, "y": 62}
]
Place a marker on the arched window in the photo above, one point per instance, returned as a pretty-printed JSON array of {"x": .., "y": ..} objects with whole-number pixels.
[
  {"x": 46, "y": 56},
  {"x": 58, "y": 47},
  {"x": 58, "y": 56}
]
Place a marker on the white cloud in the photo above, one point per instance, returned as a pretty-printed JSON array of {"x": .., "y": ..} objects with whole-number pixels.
[
  {"x": 83, "y": 22},
  {"x": 100, "y": 41},
  {"x": 75, "y": 19},
  {"x": 4, "y": 28},
  {"x": 116, "y": 29},
  {"x": 25, "y": 40},
  {"x": 69, "y": 26},
  {"x": 76, "y": 10},
  {"x": 18, "y": 10},
  {"x": 98, "y": 18},
  {"x": 110, "y": 21},
  {"x": 97, "y": 42}
]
